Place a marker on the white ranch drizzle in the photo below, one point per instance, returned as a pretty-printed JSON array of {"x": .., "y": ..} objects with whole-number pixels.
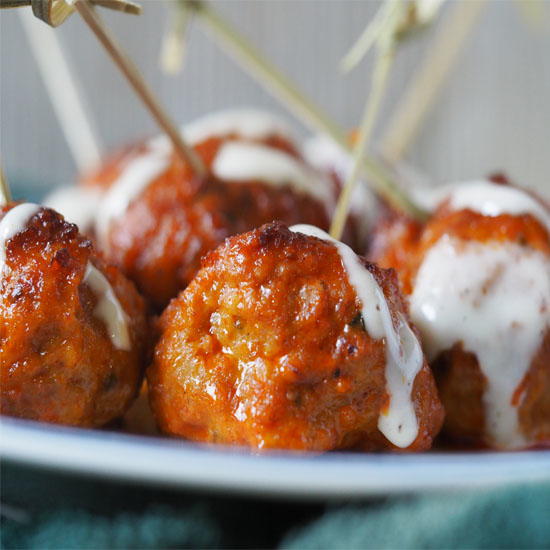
[
  {"x": 495, "y": 299},
  {"x": 484, "y": 197},
  {"x": 108, "y": 308},
  {"x": 491, "y": 199},
  {"x": 14, "y": 221},
  {"x": 404, "y": 358},
  {"x": 136, "y": 176},
  {"x": 235, "y": 161},
  {"x": 239, "y": 161},
  {"x": 247, "y": 123},
  {"x": 143, "y": 168},
  {"x": 76, "y": 204}
]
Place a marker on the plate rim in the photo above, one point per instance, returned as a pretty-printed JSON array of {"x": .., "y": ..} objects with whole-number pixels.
[{"x": 186, "y": 465}]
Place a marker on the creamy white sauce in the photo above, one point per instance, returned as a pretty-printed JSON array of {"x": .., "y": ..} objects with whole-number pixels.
[
  {"x": 246, "y": 124},
  {"x": 138, "y": 173},
  {"x": 142, "y": 169},
  {"x": 495, "y": 299},
  {"x": 252, "y": 124},
  {"x": 12, "y": 223},
  {"x": 78, "y": 205},
  {"x": 484, "y": 197},
  {"x": 429, "y": 197},
  {"x": 491, "y": 199},
  {"x": 404, "y": 357},
  {"x": 108, "y": 309},
  {"x": 240, "y": 161}
]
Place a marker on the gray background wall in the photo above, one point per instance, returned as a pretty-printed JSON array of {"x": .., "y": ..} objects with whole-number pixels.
[{"x": 494, "y": 112}]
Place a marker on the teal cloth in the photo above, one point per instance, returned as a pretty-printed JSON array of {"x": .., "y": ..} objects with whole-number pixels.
[
  {"x": 51, "y": 510},
  {"x": 517, "y": 517},
  {"x": 156, "y": 527}
]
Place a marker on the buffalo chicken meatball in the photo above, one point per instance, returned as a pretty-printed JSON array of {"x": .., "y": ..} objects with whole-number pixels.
[
  {"x": 286, "y": 339},
  {"x": 156, "y": 220},
  {"x": 72, "y": 330},
  {"x": 478, "y": 279}
]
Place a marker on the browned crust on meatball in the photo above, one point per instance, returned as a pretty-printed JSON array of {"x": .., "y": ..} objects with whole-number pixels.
[
  {"x": 534, "y": 397},
  {"x": 266, "y": 348},
  {"x": 461, "y": 386},
  {"x": 162, "y": 236},
  {"x": 57, "y": 361},
  {"x": 393, "y": 242}
]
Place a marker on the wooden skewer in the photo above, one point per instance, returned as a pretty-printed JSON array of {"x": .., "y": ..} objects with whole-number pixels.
[
  {"x": 275, "y": 83},
  {"x": 175, "y": 41},
  {"x": 5, "y": 194},
  {"x": 413, "y": 107},
  {"x": 368, "y": 37},
  {"x": 63, "y": 92},
  {"x": 384, "y": 32},
  {"x": 372, "y": 106},
  {"x": 119, "y": 5},
  {"x": 137, "y": 82},
  {"x": 54, "y": 12}
]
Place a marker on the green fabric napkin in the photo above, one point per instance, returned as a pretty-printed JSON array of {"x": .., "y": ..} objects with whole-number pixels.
[
  {"x": 517, "y": 517},
  {"x": 53, "y": 510},
  {"x": 155, "y": 527}
]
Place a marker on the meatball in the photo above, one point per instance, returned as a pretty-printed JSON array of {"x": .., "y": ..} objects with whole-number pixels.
[
  {"x": 156, "y": 220},
  {"x": 72, "y": 329},
  {"x": 478, "y": 279},
  {"x": 289, "y": 340}
]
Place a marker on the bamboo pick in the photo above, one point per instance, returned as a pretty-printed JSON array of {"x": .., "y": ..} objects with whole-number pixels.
[
  {"x": 174, "y": 45},
  {"x": 275, "y": 83},
  {"x": 118, "y": 5},
  {"x": 132, "y": 74},
  {"x": 414, "y": 105},
  {"x": 368, "y": 37},
  {"x": 372, "y": 106},
  {"x": 55, "y": 12},
  {"x": 61, "y": 85},
  {"x": 5, "y": 193}
]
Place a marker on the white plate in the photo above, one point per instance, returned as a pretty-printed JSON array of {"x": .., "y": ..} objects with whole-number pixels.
[{"x": 179, "y": 464}]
